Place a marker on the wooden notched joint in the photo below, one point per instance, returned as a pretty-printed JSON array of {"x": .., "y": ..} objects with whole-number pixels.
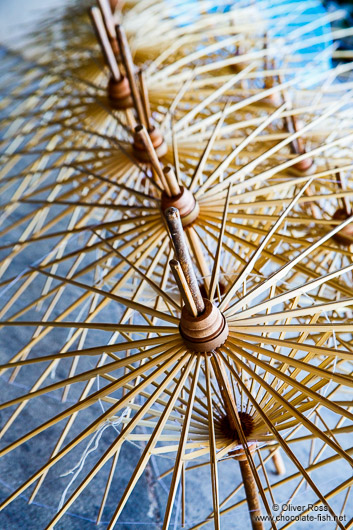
[
  {"x": 240, "y": 455},
  {"x": 247, "y": 425},
  {"x": 119, "y": 93},
  {"x": 345, "y": 236},
  {"x": 157, "y": 141},
  {"x": 207, "y": 331},
  {"x": 113, "y": 4},
  {"x": 186, "y": 204},
  {"x": 115, "y": 46},
  {"x": 222, "y": 286}
]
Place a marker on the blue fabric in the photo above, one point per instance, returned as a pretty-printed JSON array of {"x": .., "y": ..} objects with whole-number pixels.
[{"x": 307, "y": 11}]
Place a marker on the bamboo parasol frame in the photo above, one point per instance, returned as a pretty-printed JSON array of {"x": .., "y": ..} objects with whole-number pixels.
[{"x": 245, "y": 333}]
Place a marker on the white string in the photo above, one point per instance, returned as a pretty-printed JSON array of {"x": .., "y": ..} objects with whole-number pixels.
[
  {"x": 89, "y": 449},
  {"x": 34, "y": 264},
  {"x": 178, "y": 508}
]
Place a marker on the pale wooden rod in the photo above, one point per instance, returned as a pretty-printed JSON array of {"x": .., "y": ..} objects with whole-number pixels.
[
  {"x": 142, "y": 134},
  {"x": 172, "y": 180},
  {"x": 144, "y": 97},
  {"x": 183, "y": 287},
  {"x": 99, "y": 27},
  {"x": 129, "y": 66},
  {"x": 345, "y": 200},
  {"x": 108, "y": 18},
  {"x": 183, "y": 256}
]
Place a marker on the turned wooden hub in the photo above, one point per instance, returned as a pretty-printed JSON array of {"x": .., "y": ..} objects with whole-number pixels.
[
  {"x": 305, "y": 166},
  {"x": 205, "y": 332},
  {"x": 157, "y": 141},
  {"x": 119, "y": 93},
  {"x": 186, "y": 204},
  {"x": 344, "y": 236}
]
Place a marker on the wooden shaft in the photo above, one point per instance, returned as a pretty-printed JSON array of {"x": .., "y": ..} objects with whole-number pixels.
[
  {"x": 101, "y": 33},
  {"x": 182, "y": 255},
  {"x": 107, "y": 15},
  {"x": 270, "y": 64},
  {"x": 129, "y": 68},
  {"x": 225, "y": 390},
  {"x": 345, "y": 201},
  {"x": 175, "y": 150},
  {"x": 292, "y": 127},
  {"x": 266, "y": 58},
  {"x": 270, "y": 81},
  {"x": 298, "y": 143},
  {"x": 113, "y": 5},
  {"x": 183, "y": 496},
  {"x": 291, "y": 124},
  {"x": 145, "y": 98},
  {"x": 183, "y": 287},
  {"x": 278, "y": 463},
  {"x": 142, "y": 133},
  {"x": 233, "y": 418},
  {"x": 172, "y": 181},
  {"x": 251, "y": 493},
  {"x": 199, "y": 256}
]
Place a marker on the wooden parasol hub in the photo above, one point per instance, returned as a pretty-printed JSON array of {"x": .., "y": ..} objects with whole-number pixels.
[
  {"x": 345, "y": 236},
  {"x": 119, "y": 93},
  {"x": 180, "y": 198},
  {"x": 158, "y": 143},
  {"x": 202, "y": 325},
  {"x": 207, "y": 331}
]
